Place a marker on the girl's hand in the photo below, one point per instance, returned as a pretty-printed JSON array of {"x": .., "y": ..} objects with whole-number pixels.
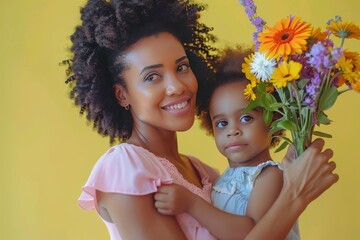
[
  {"x": 308, "y": 176},
  {"x": 173, "y": 199}
]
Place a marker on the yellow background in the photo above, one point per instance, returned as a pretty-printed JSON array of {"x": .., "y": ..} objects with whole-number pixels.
[{"x": 47, "y": 150}]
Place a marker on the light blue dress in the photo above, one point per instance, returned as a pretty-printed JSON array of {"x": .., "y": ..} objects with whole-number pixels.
[{"x": 232, "y": 190}]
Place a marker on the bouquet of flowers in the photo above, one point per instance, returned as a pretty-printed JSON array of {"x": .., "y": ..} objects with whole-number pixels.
[{"x": 302, "y": 65}]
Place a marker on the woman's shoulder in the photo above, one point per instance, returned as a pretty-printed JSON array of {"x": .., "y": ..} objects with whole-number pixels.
[
  {"x": 125, "y": 169},
  {"x": 127, "y": 154}
]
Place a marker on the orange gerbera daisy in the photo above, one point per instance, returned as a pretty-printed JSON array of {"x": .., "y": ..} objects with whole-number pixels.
[
  {"x": 287, "y": 37},
  {"x": 343, "y": 29}
]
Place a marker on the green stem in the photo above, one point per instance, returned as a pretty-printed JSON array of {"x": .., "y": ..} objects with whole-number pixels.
[
  {"x": 343, "y": 91},
  {"x": 342, "y": 42}
]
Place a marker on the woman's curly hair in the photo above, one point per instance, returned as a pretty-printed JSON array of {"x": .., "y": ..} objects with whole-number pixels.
[
  {"x": 108, "y": 28},
  {"x": 228, "y": 68}
]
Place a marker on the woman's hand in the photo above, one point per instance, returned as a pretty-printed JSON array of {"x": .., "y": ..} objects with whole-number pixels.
[{"x": 308, "y": 176}]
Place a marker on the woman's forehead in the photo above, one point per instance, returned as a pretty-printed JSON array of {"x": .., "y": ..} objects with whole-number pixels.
[{"x": 154, "y": 49}]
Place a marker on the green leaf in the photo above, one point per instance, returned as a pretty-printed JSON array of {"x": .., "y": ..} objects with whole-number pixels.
[
  {"x": 282, "y": 146},
  {"x": 261, "y": 88},
  {"x": 328, "y": 98},
  {"x": 321, "y": 134},
  {"x": 268, "y": 117},
  {"x": 276, "y": 105},
  {"x": 251, "y": 105},
  {"x": 288, "y": 125},
  {"x": 267, "y": 100},
  {"x": 322, "y": 119},
  {"x": 286, "y": 139},
  {"x": 274, "y": 129},
  {"x": 301, "y": 83}
]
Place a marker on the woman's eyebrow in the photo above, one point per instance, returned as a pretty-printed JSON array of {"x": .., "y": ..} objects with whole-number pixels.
[
  {"x": 150, "y": 67},
  {"x": 180, "y": 59},
  {"x": 161, "y": 65}
]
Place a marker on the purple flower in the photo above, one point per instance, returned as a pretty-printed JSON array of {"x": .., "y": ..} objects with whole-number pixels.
[
  {"x": 323, "y": 55},
  {"x": 259, "y": 23},
  {"x": 337, "y": 53},
  {"x": 250, "y": 12},
  {"x": 306, "y": 71},
  {"x": 312, "y": 90}
]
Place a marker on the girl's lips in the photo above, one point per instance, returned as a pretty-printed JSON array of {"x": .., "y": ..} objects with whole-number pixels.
[{"x": 235, "y": 146}]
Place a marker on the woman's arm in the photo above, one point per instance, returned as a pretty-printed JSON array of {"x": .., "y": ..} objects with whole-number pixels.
[{"x": 136, "y": 217}]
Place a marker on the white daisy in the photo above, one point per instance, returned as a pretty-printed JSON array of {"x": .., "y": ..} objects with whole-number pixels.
[{"x": 262, "y": 67}]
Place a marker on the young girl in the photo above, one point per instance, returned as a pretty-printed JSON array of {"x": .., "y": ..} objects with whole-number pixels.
[
  {"x": 139, "y": 73},
  {"x": 253, "y": 181}
]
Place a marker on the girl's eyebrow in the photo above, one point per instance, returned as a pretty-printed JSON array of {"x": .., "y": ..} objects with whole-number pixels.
[{"x": 161, "y": 65}]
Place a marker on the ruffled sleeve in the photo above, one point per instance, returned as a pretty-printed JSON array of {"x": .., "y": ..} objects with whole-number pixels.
[{"x": 123, "y": 169}]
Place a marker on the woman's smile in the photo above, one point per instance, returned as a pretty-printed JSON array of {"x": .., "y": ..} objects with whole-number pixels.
[{"x": 178, "y": 106}]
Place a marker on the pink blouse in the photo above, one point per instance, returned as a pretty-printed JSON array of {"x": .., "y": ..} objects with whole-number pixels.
[{"x": 133, "y": 170}]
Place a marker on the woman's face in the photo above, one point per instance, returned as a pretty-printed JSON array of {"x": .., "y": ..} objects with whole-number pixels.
[
  {"x": 242, "y": 137},
  {"x": 161, "y": 87}
]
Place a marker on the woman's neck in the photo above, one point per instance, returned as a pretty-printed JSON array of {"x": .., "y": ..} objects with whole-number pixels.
[{"x": 162, "y": 143}]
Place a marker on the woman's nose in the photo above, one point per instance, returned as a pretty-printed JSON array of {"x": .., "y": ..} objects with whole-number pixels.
[{"x": 174, "y": 86}]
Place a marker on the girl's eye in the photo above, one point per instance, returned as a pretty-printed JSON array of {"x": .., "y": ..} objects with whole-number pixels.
[
  {"x": 246, "y": 119},
  {"x": 152, "y": 77},
  {"x": 183, "y": 67},
  {"x": 221, "y": 124}
]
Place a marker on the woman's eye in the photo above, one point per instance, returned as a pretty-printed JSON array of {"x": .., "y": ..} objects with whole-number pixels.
[
  {"x": 183, "y": 68},
  {"x": 152, "y": 77},
  {"x": 246, "y": 119},
  {"x": 221, "y": 124}
]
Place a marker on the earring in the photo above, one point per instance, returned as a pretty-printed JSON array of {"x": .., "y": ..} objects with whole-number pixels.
[{"x": 127, "y": 107}]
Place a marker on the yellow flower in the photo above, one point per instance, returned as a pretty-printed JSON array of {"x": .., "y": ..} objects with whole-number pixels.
[
  {"x": 287, "y": 37},
  {"x": 316, "y": 36},
  {"x": 246, "y": 68},
  {"x": 356, "y": 86},
  {"x": 249, "y": 93},
  {"x": 343, "y": 29},
  {"x": 286, "y": 72},
  {"x": 270, "y": 88},
  {"x": 355, "y": 58},
  {"x": 349, "y": 65}
]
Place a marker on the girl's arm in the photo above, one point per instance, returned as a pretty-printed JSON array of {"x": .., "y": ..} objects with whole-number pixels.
[
  {"x": 175, "y": 199},
  {"x": 135, "y": 217},
  {"x": 266, "y": 190},
  {"x": 304, "y": 180}
]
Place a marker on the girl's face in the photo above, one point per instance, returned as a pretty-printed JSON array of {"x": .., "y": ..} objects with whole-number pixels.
[
  {"x": 242, "y": 137},
  {"x": 161, "y": 87}
]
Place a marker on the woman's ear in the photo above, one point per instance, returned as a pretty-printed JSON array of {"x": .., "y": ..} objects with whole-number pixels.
[{"x": 121, "y": 95}]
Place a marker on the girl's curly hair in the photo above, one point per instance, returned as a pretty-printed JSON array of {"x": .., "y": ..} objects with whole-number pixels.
[
  {"x": 228, "y": 69},
  {"x": 108, "y": 28}
]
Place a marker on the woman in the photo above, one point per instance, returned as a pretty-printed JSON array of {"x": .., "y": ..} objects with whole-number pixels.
[{"x": 140, "y": 70}]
